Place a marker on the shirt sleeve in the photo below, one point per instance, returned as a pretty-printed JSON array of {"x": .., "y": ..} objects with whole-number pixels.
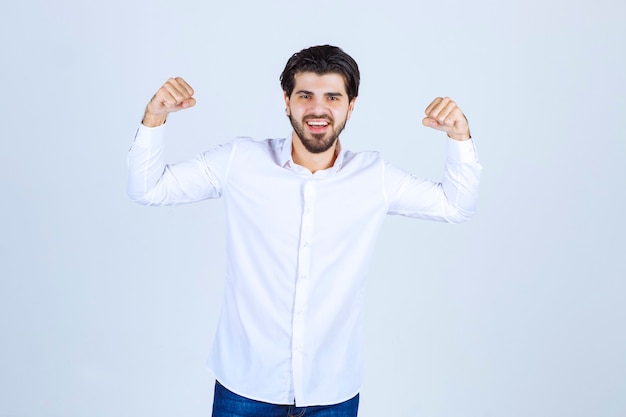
[
  {"x": 452, "y": 200},
  {"x": 152, "y": 182}
]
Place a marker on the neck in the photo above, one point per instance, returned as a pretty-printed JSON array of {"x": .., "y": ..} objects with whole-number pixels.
[{"x": 312, "y": 161}]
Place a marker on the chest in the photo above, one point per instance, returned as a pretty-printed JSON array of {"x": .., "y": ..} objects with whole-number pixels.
[{"x": 276, "y": 198}]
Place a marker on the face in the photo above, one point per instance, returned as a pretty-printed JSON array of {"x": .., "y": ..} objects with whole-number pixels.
[{"x": 318, "y": 109}]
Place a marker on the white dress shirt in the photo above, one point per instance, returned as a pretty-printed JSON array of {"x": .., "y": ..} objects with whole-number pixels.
[{"x": 298, "y": 251}]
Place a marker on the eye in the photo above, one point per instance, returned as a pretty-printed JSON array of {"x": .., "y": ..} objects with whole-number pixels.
[{"x": 305, "y": 96}]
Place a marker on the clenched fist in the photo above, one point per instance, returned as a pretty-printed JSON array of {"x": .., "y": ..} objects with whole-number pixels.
[
  {"x": 173, "y": 96},
  {"x": 443, "y": 114}
]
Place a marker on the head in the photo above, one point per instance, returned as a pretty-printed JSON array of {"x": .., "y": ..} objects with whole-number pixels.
[
  {"x": 322, "y": 60},
  {"x": 320, "y": 85}
]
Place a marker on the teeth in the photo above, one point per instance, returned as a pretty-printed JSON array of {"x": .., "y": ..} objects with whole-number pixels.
[{"x": 317, "y": 123}]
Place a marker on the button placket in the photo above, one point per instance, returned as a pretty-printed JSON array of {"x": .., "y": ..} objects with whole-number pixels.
[{"x": 302, "y": 286}]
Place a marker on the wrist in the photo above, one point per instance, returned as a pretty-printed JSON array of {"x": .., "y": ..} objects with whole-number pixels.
[
  {"x": 460, "y": 137},
  {"x": 153, "y": 120}
]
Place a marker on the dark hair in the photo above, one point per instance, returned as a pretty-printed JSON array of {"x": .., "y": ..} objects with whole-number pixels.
[{"x": 322, "y": 60}]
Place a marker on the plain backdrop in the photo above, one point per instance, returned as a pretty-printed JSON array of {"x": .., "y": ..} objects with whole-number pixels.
[{"x": 108, "y": 308}]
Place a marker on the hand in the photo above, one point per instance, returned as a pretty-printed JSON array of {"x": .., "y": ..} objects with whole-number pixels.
[
  {"x": 443, "y": 114},
  {"x": 173, "y": 96}
]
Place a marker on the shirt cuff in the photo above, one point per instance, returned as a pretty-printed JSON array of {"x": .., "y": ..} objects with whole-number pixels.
[
  {"x": 149, "y": 136},
  {"x": 462, "y": 151}
]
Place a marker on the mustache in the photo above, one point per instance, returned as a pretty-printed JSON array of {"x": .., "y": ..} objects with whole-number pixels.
[{"x": 318, "y": 117}]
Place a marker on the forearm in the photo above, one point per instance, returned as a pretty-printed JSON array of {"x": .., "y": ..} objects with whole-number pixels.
[
  {"x": 146, "y": 164},
  {"x": 461, "y": 179}
]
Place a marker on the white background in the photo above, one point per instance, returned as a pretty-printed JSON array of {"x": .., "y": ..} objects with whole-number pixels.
[{"x": 108, "y": 308}]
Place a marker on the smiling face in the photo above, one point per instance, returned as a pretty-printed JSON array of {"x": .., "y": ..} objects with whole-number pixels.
[{"x": 318, "y": 109}]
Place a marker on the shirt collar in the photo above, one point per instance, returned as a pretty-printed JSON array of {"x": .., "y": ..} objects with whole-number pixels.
[{"x": 286, "y": 161}]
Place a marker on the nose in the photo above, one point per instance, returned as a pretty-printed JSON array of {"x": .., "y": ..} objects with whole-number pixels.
[{"x": 318, "y": 106}]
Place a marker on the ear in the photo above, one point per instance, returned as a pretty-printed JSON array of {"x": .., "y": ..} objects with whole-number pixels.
[
  {"x": 286, "y": 98},
  {"x": 350, "y": 108}
]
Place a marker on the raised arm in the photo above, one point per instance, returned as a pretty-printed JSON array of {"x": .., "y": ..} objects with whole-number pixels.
[
  {"x": 150, "y": 180},
  {"x": 454, "y": 198}
]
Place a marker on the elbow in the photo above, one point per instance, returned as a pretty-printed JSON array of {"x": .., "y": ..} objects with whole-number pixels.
[
  {"x": 138, "y": 197},
  {"x": 139, "y": 200},
  {"x": 138, "y": 192},
  {"x": 460, "y": 218},
  {"x": 461, "y": 206},
  {"x": 458, "y": 215}
]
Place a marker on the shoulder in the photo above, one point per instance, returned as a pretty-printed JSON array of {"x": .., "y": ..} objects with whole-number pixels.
[
  {"x": 361, "y": 158},
  {"x": 250, "y": 151},
  {"x": 247, "y": 144}
]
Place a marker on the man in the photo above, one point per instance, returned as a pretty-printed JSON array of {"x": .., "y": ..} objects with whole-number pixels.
[{"x": 302, "y": 217}]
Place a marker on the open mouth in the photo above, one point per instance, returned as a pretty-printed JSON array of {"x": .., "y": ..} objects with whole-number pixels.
[{"x": 317, "y": 125}]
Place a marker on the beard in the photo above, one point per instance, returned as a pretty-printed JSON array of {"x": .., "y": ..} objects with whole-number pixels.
[{"x": 317, "y": 142}]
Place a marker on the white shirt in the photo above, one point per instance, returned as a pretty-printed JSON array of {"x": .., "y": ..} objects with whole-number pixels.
[{"x": 298, "y": 251}]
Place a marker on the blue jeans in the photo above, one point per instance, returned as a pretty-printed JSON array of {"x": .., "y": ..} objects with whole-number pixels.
[{"x": 229, "y": 404}]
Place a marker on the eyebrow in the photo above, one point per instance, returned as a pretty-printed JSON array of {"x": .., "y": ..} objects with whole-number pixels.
[{"x": 310, "y": 93}]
